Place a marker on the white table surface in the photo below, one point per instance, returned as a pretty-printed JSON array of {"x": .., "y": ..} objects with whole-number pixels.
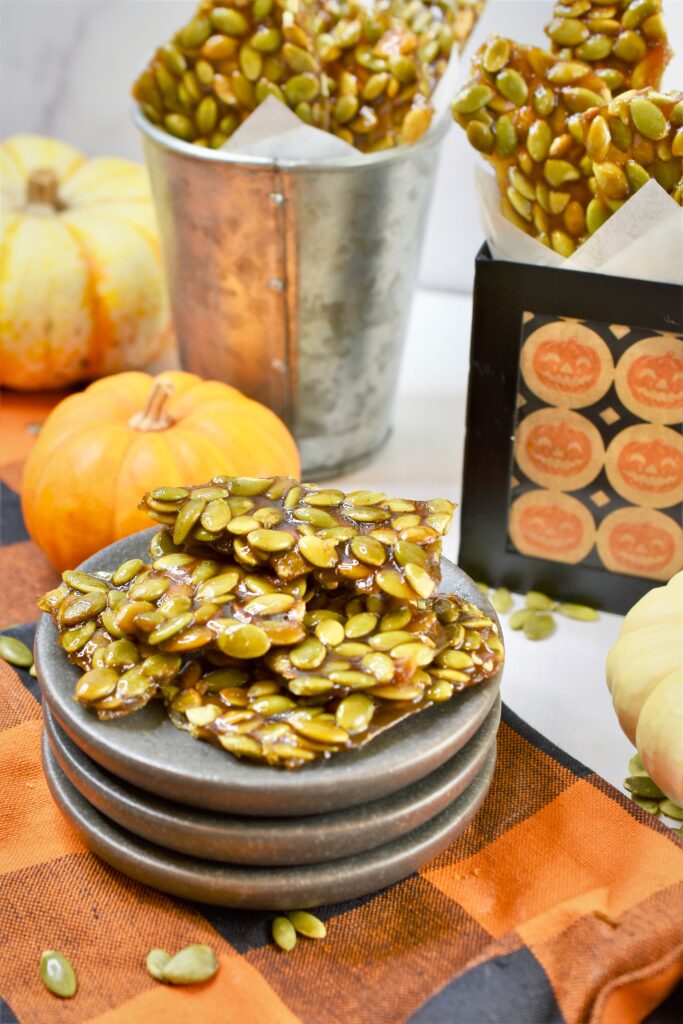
[{"x": 556, "y": 685}]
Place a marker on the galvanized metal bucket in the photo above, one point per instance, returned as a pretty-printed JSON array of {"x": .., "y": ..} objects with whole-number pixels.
[{"x": 292, "y": 281}]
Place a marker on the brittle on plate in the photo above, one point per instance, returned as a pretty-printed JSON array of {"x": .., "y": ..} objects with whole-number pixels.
[
  {"x": 625, "y": 40},
  {"x": 520, "y": 110},
  {"x": 364, "y": 539}
]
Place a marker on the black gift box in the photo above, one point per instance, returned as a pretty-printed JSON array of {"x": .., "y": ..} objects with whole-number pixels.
[{"x": 573, "y": 471}]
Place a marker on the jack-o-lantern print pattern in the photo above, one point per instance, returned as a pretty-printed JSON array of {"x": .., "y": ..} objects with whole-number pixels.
[{"x": 611, "y": 475}]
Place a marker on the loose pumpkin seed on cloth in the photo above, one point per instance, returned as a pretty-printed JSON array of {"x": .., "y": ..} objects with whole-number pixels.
[
  {"x": 635, "y": 137},
  {"x": 624, "y": 40},
  {"x": 364, "y": 538}
]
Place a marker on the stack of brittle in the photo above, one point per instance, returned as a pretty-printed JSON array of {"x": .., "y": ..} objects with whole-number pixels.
[{"x": 280, "y": 621}]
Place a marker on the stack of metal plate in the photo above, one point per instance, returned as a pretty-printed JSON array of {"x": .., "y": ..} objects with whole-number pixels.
[{"x": 191, "y": 820}]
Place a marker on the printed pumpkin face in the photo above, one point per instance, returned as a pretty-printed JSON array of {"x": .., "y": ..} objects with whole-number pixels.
[
  {"x": 649, "y": 379},
  {"x": 641, "y": 542},
  {"x": 560, "y": 449},
  {"x": 644, "y": 464},
  {"x": 551, "y": 525},
  {"x": 567, "y": 365}
]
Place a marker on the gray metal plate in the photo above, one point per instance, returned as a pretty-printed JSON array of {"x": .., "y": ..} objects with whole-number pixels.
[
  {"x": 264, "y": 888},
  {"x": 147, "y": 751},
  {"x": 272, "y": 841}
]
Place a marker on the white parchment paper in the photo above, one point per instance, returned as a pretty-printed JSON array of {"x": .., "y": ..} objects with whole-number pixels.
[{"x": 643, "y": 239}]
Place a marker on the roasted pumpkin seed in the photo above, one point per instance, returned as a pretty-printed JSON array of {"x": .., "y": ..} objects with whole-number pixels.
[
  {"x": 191, "y": 965},
  {"x": 307, "y": 924},
  {"x": 15, "y": 652},
  {"x": 57, "y": 974},
  {"x": 284, "y": 933}
]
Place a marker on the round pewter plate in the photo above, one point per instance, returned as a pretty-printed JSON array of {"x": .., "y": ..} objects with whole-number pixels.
[
  {"x": 272, "y": 841},
  {"x": 264, "y": 888},
  {"x": 146, "y": 750}
]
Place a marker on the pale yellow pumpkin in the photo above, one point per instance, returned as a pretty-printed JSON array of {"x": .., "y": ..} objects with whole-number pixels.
[
  {"x": 82, "y": 290},
  {"x": 645, "y": 678}
]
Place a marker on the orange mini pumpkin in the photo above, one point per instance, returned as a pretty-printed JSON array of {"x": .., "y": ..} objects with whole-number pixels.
[{"x": 100, "y": 450}]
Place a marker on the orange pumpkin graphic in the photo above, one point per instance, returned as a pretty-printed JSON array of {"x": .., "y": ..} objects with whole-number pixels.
[
  {"x": 649, "y": 379},
  {"x": 551, "y": 525},
  {"x": 560, "y": 449},
  {"x": 566, "y": 364},
  {"x": 645, "y": 465},
  {"x": 641, "y": 542}
]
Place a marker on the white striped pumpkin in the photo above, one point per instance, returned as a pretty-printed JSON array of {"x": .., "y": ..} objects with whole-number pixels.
[{"x": 82, "y": 291}]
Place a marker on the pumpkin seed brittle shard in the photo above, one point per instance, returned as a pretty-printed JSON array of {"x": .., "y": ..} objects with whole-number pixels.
[
  {"x": 624, "y": 40},
  {"x": 362, "y": 539},
  {"x": 520, "y": 110}
]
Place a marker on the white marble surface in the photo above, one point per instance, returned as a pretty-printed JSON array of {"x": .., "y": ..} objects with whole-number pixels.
[
  {"x": 66, "y": 67},
  {"x": 557, "y": 685}
]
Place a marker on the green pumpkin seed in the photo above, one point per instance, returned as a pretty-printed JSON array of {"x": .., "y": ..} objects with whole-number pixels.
[
  {"x": 307, "y": 924},
  {"x": 538, "y": 626},
  {"x": 321, "y": 732},
  {"x": 165, "y": 630},
  {"x": 472, "y": 97},
  {"x": 241, "y": 641},
  {"x": 543, "y": 101},
  {"x": 648, "y": 119},
  {"x": 284, "y": 933},
  {"x": 121, "y": 654},
  {"x": 539, "y": 602},
  {"x": 506, "y": 136},
  {"x": 229, "y": 21},
  {"x": 558, "y": 172},
  {"x": 187, "y": 516},
  {"x": 57, "y": 974},
  {"x": 480, "y": 137},
  {"x": 538, "y": 141},
  {"x": 501, "y": 600},
  {"x": 354, "y": 713},
  {"x": 567, "y": 31},
  {"x": 126, "y": 572},
  {"x": 596, "y": 47},
  {"x": 308, "y": 655},
  {"x": 513, "y": 87},
  {"x": 156, "y": 961},
  {"x": 651, "y": 806},
  {"x": 578, "y": 611},
  {"x": 330, "y": 632},
  {"x": 191, "y": 966},
  {"x": 379, "y": 665},
  {"x": 96, "y": 684},
  {"x": 496, "y": 55},
  {"x": 183, "y": 128},
  {"x": 85, "y": 606},
  {"x": 596, "y": 215},
  {"x": 73, "y": 640},
  {"x": 84, "y": 582},
  {"x": 644, "y": 786},
  {"x": 671, "y": 810},
  {"x": 14, "y": 652},
  {"x": 206, "y": 115},
  {"x": 301, "y": 88},
  {"x": 635, "y": 766}
]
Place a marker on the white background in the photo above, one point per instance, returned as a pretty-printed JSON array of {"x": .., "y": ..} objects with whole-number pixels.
[{"x": 66, "y": 67}]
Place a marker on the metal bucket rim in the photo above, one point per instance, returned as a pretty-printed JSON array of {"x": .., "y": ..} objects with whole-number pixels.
[{"x": 169, "y": 142}]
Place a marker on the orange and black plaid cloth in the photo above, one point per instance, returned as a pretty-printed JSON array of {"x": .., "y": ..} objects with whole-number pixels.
[{"x": 561, "y": 902}]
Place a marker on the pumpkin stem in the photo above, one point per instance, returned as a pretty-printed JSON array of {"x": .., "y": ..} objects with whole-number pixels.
[
  {"x": 42, "y": 188},
  {"x": 154, "y": 416}
]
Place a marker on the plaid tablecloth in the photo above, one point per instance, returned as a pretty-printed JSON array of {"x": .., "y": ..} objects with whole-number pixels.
[{"x": 561, "y": 902}]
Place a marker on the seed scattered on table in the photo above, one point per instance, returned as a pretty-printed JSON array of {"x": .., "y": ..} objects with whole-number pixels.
[
  {"x": 156, "y": 961},
  {"x": 190, "y": 966},
  {"x": 14, "y": 652},
  {"x": 284, "y": 933},
  {"x": 57, "y": 974},
  {"x": 307, "y": 924}
]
